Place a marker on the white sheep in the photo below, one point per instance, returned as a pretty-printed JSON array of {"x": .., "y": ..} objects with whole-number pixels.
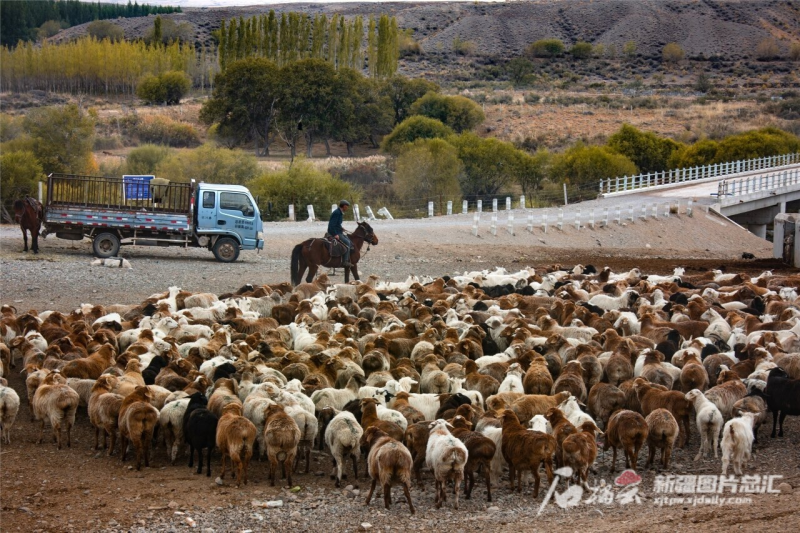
[
  {"x": 610, "y": 303},
  {"x": 343, "y": 436},
  {"x": 513, "y": 380},
  {"x": 541, "y": 424},
  {"x": 171, "y": 300},
  {"x": 309, "y": 427},
  {"x": 498, "y": 461},
  {"x": 457, "y": 387},
  {"x": 9, "y": 407},
  {"x": 709, "y": 422},
  {"x": 573, "y": 412},
  {"x": 170, "y": 420},
  {"x": 387, "y": 414},
  {"x": 718, "y": 328},
  {"x": 83, "y": 387},
  {"x": 737, "y": 442},
  {"x": 336, "y": 398},
  {"x": 445, "y": 456},
  {"x": 254, "y": 409},
  {"x": 427, "y": 404}
]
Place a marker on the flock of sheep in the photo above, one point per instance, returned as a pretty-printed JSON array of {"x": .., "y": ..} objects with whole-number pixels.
[{"x": 466, "y": 375}]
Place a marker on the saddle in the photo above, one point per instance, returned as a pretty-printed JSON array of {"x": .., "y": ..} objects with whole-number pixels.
[{"x": 336, "y": 248}]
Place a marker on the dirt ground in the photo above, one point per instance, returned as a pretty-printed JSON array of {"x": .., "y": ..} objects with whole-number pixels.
[{"x": 79, "y": 489}]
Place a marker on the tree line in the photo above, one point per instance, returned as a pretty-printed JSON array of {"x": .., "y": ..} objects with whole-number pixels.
[
  {"x": 20, "y": 21},
  {"x": 255, "y": 100},
  {"x": 293, "y": 36},
  {"x": 88, "y": 65}
]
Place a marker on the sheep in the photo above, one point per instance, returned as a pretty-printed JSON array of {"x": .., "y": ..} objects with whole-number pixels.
[
  {"x": 536, "y": 404},
  {"x": 281, "y": 437},
  {"x": 737, "y": 443},
  {"x": 537, "y": 379},
  {"x": 579, "y": 450},
  {"x": 225, "y": 392},
  {"x": 627, "y": 430},
  {"x": 336, "y": 398},
  {"x": 693, "y": 373},
  {"x": 255, "y": 409},
  {"x": 709, "y": 422},
  {"x": 84, "y": 389},
  {"x": 199, "y": 430},
  {"x": 309, "y": 426},
  {"x": 103, "y": 407},
  {"x": 416, "y": 440},
  {"x": 755, "y": 402},
  {"x": 343, "y": 436},
  {"x": 411, "y": 414},
  {"x": 446, "y": 456},
  {"x": 573, "y": 412},
  {"x": 604, "y": 400},
  {"x": 513, "y": 380},
  {"x": 650, "y": 399},
  {"x": 783, "y": 397},
  {"x": 449, "y": 403},
  {"x": 457, "y": 387},
  {"x": 369, "y": 418},
  {"x": 235, "y": 438},
  {"x": 480, "y": 452},
  {"x": 662, "y": 432},
  {"x": 9, "y": 407},
  {"x": 526, "y": 450},
  {"x": 137, "y": 421},
  {"x": 170, "y": 420},
  {"x": 92, "y": 366},
  {"x": 609, "y": 303},
  {"x": 390, "y": 463},
  {"x": 57, "y": 403},
  {"x": 571, "y": 380},
  {"x": 728, "y": 390}
]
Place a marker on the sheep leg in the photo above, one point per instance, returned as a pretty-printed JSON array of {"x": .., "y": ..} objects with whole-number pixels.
[
  {"x": 774, "y": 422},
  {"x": 387, "y": 495},
  {"x": 191, "y": 455},
  {"x": 69, "y": 434},
  {"x": 614, "y": 460},
  {"x": 783, "y": 417},
  {"x": 488, "y": 477},
  {"x": 200, "y": 460},
  {"x": 97, "y": 438},
  {"x": 407, "y": 494},
  {"x": 57, "y": 434},
  {"x": 438, "y": 499},
  {"x": 511, "y": 475},
  {"x": 355, "y": 466},
  {"x": 536, "y": 480},
  {"x": 208, "y": 462},
  {"x": 222, "y": 475},
  {"x": 273, "y": 469},
  {"x": 457, "y": 483},
  {"x": 666, "y": 455},
  {"x": 469, "y": 477},
  {"x": 371, "y": 490},
  {"x": 628, "y": 456},
  {"x": 308, "y": 459},
  {"x": 336, "y": 474},
  {"x": 41, "y": 433},
  {"x": 636, "y": 456},
  {"x": 288, "y": 467},
  {"x": 113, "y": 443},
  {"x": 418, "y": 471}
]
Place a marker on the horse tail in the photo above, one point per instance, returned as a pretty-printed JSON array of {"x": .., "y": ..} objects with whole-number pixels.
[{"x": 297, "y": 253}]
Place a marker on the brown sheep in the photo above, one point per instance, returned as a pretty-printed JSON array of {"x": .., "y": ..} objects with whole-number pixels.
[
  {"x": 103, "y": 410},
  {"x": 619, "y": 367},
  {"x": 486, "y": 385},
  {"x": 390, "y": 463},
  {"x": 481, "y": 450},
  {"x": 526, "y": 450},
  {"x": 562, "y": 428},
  {"x": 530, "y": 405},
  {"x": 55, "y": 401},
  {"x": 728, "y": 390},
  {"x": 579, "y": 450},
  {"x": 226, "y": 391},
  {"x": 627, "y": 430},
  {"x": 137, "y": 421},
  {"x": 369, "y": 418},
  {"x": 235, "y": 438},
  {"x": 653, "y": 372},
  {"x": 693, "y": 373},
  {"x": 755, "y": 404},
  {"x": 604, "y": 400},
  {"x": 416, "y": 440},
  {"x": 281, "y": 436},
  {"x": 411, "y": 414},
  {"x": 537, "y": 379},
  {"x": 662, "y": 432},
  {"x": 92, "y": 366},
  {"x": 675, "y": 402},
  {"x": 571, "y": 380}
]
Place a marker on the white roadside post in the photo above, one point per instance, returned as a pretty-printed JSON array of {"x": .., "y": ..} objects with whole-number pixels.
[
  {"x": 333, "y": 207},
  {"x": 370, "y": 214},
  {"x": 591, "y": 218},
  {"x": 560, "y": 218},
  {"x": 511, "y": 223},
  {"x": 475, "y": 219},
  {"x": 430, "y": 209},
  {"x": 522, "y": 202},
  {"x": 619, "y": 216},
  {"x": 494, "y": 205},
  {"x": 508, "y": 203},
  {"x": 630, "y": 215},
  {"x": 449, "y": 207},
  {"x": 493, "y": 227},
  {"x": 310, "y": 209},
  {"x": 605, "y": 216},
  {"x": 356, "y": 213},
  {"x": 385, "y": 213},
  {"x": 578, "y": 219},
  {"x": 689, "y": 208},
  {"x": 480, "y": 206},
  {"x": 291, "y": 212},
  {"x": 544, "y": 222},
  {"x": 529, "y": 227},
  {"x": 464, "y": 207}
]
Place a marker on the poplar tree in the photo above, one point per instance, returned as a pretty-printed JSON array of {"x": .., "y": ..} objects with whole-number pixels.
[
  {"x": 305, "y": 33},
  {"x": 157, "y": 34},
  {"x": 223, "y": 40},
  {"x": 283, "y": 39},
  {"x": 383, "y": 46},
  {"x": 240, "y": 39},
  {"x": 356, "y": 52},
  {"x": 333, "y": 38},
  {"x": 372, "y": 48},
  {"x": 318, "y": 36},
  {"x": 342, "y": 51},
  {"x": 232, "y": 40},
  {"x": 272, "y": 24}
]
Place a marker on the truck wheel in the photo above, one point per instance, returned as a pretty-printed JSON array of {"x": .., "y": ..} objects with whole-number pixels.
[
  {"x": 106, "y": 245},
  {"x": 226, "y": 250}
]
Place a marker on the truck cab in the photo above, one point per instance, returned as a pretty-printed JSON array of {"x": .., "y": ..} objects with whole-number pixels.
[{"x": 227, "y": 219}]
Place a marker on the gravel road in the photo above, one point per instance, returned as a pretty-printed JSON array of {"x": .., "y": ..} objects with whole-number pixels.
[{"x": 60, "y": 277}]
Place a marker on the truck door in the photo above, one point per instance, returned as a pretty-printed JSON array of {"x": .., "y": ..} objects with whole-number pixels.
[
  {"x": 207, "y": 210},
  {"x": 237, "y": 214}
]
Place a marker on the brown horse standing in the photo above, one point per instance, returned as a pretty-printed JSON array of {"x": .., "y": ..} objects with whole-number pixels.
[
  {"x": 28, "y": 213},
  {"x": 313, "y": 253}
]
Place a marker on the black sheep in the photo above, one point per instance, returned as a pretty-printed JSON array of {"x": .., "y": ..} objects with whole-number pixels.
[
  {"x": 224, "y": 370},
  {"x": 452, "y": 403},
  {"x": 679, "y": 298},
  {"x": 200, "y": 430},
  {"x": 783, "y": 397},
  {"x": 156, "y": 364}
]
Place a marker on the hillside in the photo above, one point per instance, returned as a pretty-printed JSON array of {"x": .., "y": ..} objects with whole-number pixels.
[{"x": 728, "y": 28}]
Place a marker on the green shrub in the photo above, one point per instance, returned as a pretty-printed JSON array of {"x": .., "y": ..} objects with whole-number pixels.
[
  {"x": 210, "y": 164},
  {"x": 145, "y": 159},
  {"x": 519, "y": 71},
  {"x": 757, "y": 143},
  {"x": 672, "y": 53},
  {"x": 462, "y": 47},
  {"x": 581, "y": 50},
  {"x": 699, "y": 154},
  {"x": 647, "y": 150},
  {"x": 428, "y": 168},
  {"x": 104, "y": 29},
  {"x": 532, "y": 98},
  {"x": 108, "y": 142},
  {"x": 161, "y": 130},
  {"x": 167, "y": 88},
  {"x": 546, "y": 48},
  {"x": 586, "y": 165},
  {"x": 413, "y": 128},
  {"x": 62, "y": 138},
  {"x": 10, "y": 127},
  {"x": 490, "y": 165},
  {"x": 19, "y": 173},
  {"x": 302, "y": 184},
  {"x": 457, "y": 112}
]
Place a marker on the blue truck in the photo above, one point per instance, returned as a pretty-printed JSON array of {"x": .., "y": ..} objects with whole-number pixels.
[{"x": 148, "y": 211}]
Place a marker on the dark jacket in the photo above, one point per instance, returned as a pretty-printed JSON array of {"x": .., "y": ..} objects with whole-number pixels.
[{"x": 335, "y": 222}]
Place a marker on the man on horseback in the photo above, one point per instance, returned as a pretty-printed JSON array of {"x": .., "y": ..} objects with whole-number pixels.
[{"x": 336, "y": 230}]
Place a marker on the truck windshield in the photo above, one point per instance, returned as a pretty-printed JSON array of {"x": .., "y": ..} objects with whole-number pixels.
[{"x": 231, "y": 201}]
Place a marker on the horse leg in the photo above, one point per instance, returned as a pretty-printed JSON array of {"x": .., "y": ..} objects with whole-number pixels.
[
  {"x": 312, "y": 272},
  {"x": 35, "y": 239},
  {"x": 24, "y": 238},
  {"x": 347, "y": 274},
  {"x": 354, "y": 268}
]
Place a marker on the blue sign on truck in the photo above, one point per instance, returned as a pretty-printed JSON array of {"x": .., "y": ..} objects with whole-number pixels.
[{"x": 137, "y": 187}]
